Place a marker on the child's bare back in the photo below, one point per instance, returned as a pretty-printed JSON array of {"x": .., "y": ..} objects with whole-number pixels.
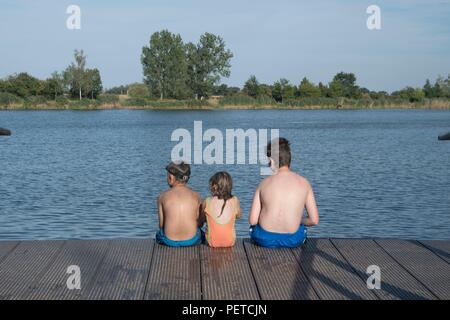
[
  {"x": 283, "y": 198},
  {"x": 180, "y": 210}
]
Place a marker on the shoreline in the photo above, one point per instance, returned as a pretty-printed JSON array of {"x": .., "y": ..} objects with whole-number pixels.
[{"x": 425, "y": 106}]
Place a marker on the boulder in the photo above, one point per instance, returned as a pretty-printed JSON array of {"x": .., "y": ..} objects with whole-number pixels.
[{"x": 5, "y": 132}]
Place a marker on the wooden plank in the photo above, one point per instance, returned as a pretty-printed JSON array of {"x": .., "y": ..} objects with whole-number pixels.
[
  {"x": 396, "y": 282},
  {"x": 330, "y": 275},
  {"x": 226, "y": 274},
  {"x": 86, "y": 254},
  {"x": 278, "y": 274},
  {"x": 23, "y": 266},
  {"x": 439, "y": 247},
  {"x": 174, "y": 274},
  {"x": 422, "y": 263},
  {"x": 6, "y": 247},
  {"x": 124, "y": 271}
]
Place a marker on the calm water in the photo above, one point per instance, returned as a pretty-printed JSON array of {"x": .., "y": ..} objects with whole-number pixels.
[{"x": 96, "y": 174}]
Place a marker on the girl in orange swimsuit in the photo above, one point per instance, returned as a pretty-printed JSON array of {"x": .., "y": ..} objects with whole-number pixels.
[{"x": 220, "y": 212}]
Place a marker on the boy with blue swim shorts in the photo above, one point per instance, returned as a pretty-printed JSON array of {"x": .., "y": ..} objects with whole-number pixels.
[
  {"x": 277, "y": 214},
  {"x": 178, "y": 209}
]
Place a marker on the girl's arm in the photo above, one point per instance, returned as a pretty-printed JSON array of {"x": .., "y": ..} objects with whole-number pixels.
[
  {"x": 201, "y": 216},
  {"x": 238, "y": 208}
]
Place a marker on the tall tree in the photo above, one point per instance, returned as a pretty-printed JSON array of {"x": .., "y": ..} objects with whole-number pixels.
[
  {"x": 207, "y": 62},
  {"x": 336, "y": 89},
  {"x": 54, "y": 86},
  {"x": 93, "y": 83},
  {"x": 442, "y": 87},
  {"x": 307, "y": 89},
  {"x": 265, "y": 90},
  {"x": 323, "y": 90},
  {"x": 428, "y": 89},
  {"x": 348, "y": 84},
  {"x": 164, "y": 64},
  {"x": 75, "y": 76},
  {"x": 252, "y": 87},
  {"x": 283, "y": 90}
]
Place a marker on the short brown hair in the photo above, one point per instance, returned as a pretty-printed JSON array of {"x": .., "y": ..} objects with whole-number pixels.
[
  {"x": 284, "y": 152},
  {"x": 180, "y": 170}
]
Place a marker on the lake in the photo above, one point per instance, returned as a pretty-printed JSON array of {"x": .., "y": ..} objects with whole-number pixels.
[{"x": 97, "y": 174}]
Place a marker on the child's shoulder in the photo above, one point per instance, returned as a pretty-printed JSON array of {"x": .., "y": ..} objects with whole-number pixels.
[
  {"x": 163, "y": 194},
  {"x": 207, "y": 199}
]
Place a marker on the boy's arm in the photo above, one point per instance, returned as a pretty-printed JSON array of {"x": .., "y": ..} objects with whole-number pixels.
[
  {"x": 311, "y": 207},
  {"x": 160, "y": 212},
  {"x": 256, "y": 208}
]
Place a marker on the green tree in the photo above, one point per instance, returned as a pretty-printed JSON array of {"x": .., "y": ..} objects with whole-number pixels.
[
  {"x": 336, "y": 89},
  {"x": 138, "y": 91},
  {"x": 118, "y": 90},
  {"x": 265, "y": 90},
  {"x": 252, "y": 87},
  {"x": 428, "y": 89},
  {"x": 164, "y": 64},
  {"x": 207, "y": 62},
  {"x": 221, "y": 90},
  {"x": 308, "y": 90},
  {"x": 411, "y": 94},
  {"x": 93, "y": 83},
  {"x": 82, "y": 82},
  {"x": 283, "y": 90},
  {"x": 54, "y": 86},
  {"x": 323, "y": 90},
  {"x": 232, "y": 91},
  {"x": 347, "y": 83},
  {"x": 442, "y": 87},
  {"x": 24, "y": 85},
  {"x": 75, "y": 76},
  {"x": 376, "y": 95}
]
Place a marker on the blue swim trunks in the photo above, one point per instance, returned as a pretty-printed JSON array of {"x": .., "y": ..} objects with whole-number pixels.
[
  {"x": 268, "y": 239},
  {"x": 161, "y": 238}
]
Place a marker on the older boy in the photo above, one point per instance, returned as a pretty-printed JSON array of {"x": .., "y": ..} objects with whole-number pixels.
[
  {"x": 178, "y": 209},
  {"x": 276, "y": 215}
]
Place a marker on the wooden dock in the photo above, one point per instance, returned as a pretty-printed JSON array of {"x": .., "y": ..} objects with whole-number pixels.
[{"x": 140, "y": 269}]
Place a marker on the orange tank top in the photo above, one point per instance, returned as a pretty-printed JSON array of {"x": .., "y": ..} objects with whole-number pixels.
[{"x": 220, "y": 235}]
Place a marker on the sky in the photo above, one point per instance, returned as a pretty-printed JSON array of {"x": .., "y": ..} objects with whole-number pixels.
[{"x": 271, "y": 39}]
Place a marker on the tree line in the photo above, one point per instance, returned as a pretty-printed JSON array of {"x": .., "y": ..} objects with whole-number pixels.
[
  {"x": 76, "y": 81},
  {"x": 343, "y": 85},
  {"x": 173, "y": 69}
]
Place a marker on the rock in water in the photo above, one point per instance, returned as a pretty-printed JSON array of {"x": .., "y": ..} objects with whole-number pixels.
[
  {"x": 5, "y": 132},
  {"x": 445, "y": 136}
]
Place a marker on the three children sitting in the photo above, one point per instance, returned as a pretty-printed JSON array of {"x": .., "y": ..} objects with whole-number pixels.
[{"x": 276, "y": 216}]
